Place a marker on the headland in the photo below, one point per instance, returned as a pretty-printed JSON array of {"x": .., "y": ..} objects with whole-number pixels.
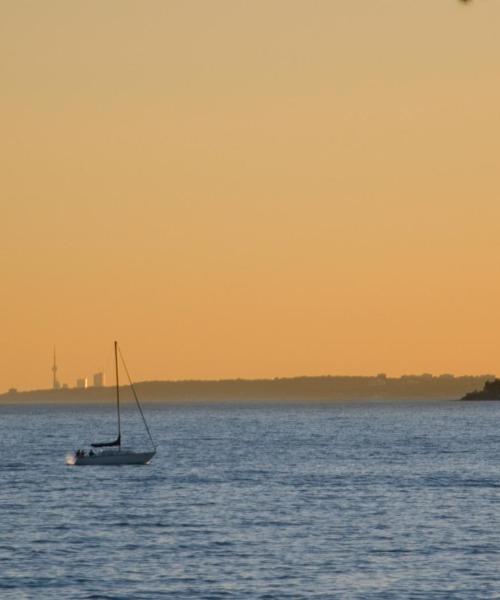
[{"x": 490, "y": 391}]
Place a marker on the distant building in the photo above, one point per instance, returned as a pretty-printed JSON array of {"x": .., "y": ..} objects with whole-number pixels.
[
  {"x": 99, "y": 380},
  {"x": 12, "y": 390},
  {"x": 82, "y": 383}
]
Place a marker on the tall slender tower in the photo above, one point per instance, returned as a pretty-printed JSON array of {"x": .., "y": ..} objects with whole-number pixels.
[{"x": 55, "y": 384}]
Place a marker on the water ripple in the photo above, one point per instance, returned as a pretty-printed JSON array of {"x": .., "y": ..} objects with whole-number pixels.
[{"x": 357, "y": 502}]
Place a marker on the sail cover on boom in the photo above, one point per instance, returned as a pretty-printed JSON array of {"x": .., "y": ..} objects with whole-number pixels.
[{"x": 107, "y": 444}]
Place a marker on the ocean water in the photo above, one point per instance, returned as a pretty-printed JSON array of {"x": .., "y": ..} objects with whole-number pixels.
[{"x": 361, "y": 500}]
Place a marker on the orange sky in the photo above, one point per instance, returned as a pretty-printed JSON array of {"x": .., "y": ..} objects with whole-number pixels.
[{"x": 249, "y": 188}]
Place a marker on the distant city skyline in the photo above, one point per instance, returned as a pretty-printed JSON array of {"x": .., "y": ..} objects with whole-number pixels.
[
  {"x": 239, "y": 189},
  {"x": 99, "y": 378}
]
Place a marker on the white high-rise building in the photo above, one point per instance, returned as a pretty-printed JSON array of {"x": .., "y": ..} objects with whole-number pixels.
[{"x": 82, "y": 383}]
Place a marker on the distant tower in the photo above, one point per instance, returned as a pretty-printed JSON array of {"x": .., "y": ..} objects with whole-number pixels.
[{"x": 55, "y": 384}]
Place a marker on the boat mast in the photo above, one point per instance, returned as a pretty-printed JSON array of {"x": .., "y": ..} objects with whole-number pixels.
[{"x": 118, "y": 396}]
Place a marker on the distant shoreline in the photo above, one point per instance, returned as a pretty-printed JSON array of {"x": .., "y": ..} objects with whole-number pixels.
[{"x": 267, "y": 391}]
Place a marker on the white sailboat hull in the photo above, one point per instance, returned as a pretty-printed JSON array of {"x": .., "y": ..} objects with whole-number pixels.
[{"x": 111, "y": 457}]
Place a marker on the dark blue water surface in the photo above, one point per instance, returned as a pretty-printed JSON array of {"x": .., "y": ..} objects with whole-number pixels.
[{"x": 386, "y": 500}]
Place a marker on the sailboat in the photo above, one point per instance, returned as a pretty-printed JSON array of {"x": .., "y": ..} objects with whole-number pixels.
[{"x": 112, "y": 453}]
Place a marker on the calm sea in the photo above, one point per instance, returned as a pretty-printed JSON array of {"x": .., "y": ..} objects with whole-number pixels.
[{"x": 391, "y": 500}]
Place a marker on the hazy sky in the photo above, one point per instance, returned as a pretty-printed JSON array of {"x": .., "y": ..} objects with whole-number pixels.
[{"x": 249, "y": 188}]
